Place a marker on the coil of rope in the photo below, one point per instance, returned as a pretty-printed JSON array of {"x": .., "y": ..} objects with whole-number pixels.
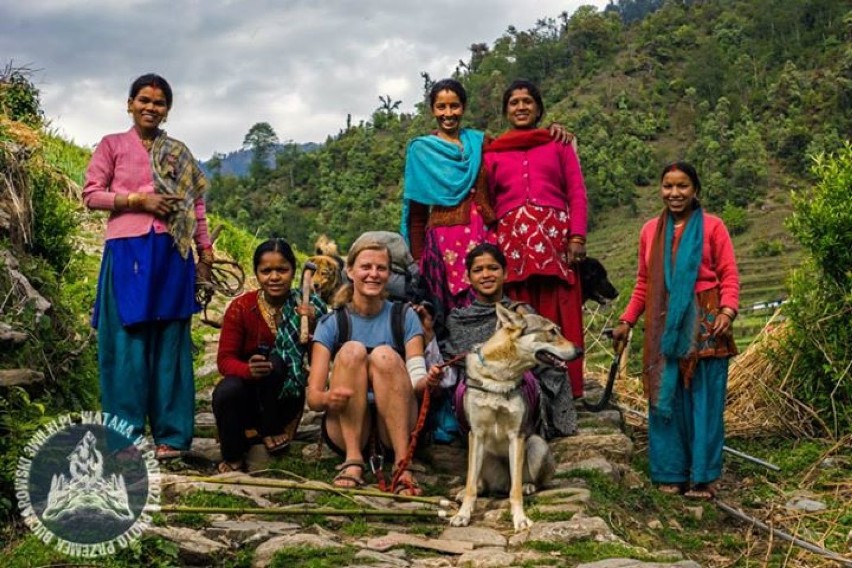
[{"x": 226, "y": 278}]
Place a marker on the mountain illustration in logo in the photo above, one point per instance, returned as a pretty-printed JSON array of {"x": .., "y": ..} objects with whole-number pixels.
[{"x": 87, "y": 487}]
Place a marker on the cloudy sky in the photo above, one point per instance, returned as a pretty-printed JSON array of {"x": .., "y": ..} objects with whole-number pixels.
[{"x": 301, "y": 65}]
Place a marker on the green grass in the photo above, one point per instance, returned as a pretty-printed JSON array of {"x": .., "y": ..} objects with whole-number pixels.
[{"x": 310, "y": 557}]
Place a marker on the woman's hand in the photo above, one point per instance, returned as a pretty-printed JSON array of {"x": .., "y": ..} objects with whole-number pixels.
[
  {"x": 336, "y": 398},
  {"x": 620, "y": 333},
  {"x": 203, "y": 272},
  {"x": 722, "y": 325},
  {"x": 259, "y": 366},
  {"x": 576, "y": 251},
  {"x": 154, "y": 203},
  {"x": 308, "y": 310},
  {"x": 560, "y": 134}
]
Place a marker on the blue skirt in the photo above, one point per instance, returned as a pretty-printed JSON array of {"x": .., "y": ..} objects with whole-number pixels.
[{"x": 150, "y": 279}]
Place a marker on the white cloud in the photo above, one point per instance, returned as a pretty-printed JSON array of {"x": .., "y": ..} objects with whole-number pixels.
[{"x": 301, "y": 65}]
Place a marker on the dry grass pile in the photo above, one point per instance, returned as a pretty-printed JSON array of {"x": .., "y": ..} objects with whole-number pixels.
[{"x": 757, "y": 404}]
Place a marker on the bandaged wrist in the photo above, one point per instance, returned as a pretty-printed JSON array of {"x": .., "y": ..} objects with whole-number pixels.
[{"x": 416, "y": 369}]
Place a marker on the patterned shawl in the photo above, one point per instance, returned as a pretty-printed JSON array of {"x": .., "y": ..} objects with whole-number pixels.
[
  {"x": 438, "y": 172},
  {"x": 670, "y": 311},
  {"x": 176, "y": 172},
  {"x": 287, "y": 343}
]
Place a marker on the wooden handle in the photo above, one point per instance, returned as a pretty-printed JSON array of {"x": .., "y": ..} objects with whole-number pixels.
[{"x": 304, "y": 331}]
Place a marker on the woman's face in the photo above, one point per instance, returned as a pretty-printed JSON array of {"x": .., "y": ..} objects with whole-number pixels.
[
  {"x": 678, "y": 193},
  {"x": 521, "y": 110},
  {"x": 274, "y": 274},
  {"x": 148, "y": 108},
  {"x": 448, "y": 111},
  {"x": 486, "y": 278},
  {"x": 370, "y": 272}
]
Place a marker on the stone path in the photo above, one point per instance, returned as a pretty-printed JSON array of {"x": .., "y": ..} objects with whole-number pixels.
[{"x": 489, "y": 542}]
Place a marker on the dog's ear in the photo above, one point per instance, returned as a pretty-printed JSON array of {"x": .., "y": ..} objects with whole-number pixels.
[{"x": 508, "y": 318}]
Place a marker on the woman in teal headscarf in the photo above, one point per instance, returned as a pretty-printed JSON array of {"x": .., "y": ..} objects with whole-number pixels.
[
  {"x": 444, "y": 212},
  {"x": 688, "y": 287}
]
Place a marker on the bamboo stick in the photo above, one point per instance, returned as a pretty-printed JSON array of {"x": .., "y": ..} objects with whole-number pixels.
[
  {"x": 323, "y": 487},
  {"x": 326, "y": 511}
]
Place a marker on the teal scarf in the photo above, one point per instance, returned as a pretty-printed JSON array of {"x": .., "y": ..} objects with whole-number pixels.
[
  {"x": 438, "y": 172},
  {"x": 680, "y": 276}
]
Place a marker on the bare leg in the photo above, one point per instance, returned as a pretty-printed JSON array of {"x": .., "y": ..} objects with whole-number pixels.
[
  {"x": 349, "y": 428},
  {"x": 395, "y": 403}
]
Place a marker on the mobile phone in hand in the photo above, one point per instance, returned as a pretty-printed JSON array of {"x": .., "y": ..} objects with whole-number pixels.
[{"x": 263, "y": 350}]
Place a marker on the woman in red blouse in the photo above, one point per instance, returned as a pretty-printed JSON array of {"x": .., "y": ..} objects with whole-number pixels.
[
  {"x": 688, "y": 287},
  {"x": 262, "y": 393},
  {"x": 540, "y": 203}
]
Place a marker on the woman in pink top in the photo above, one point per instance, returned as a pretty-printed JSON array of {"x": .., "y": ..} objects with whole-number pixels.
[
  {"x": 688, "y": 288},
  {"x": 540, "y": 203},
  {"x": 153, "y": 189}
]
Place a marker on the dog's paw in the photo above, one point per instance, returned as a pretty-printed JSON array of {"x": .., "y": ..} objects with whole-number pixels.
[
  {"x": 528, "y": 488},
  {"x": 460, "y": 520},
  {"x": 522, "y": 523}
]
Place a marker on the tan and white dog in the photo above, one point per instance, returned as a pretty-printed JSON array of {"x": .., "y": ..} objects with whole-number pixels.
[{"x": 502, "y": 453}]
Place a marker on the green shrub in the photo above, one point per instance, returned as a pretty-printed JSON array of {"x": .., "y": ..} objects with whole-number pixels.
[
  {"x": 819, "y": 346},
  {"x": 768, "y": 248},
  {"x": 735, "y": 218}
]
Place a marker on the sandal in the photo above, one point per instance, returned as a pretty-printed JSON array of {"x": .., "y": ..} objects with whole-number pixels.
[
  {"x": 701, "y": 492},
  {"x": 274, "y": 448},
  {"x": 166, "y": 452},
  {"x": 344, "y": 480},
  {"x": 229, "y": 467},
  {"x": 406, "y": 485},
  {"x": 670, "y": 488}
]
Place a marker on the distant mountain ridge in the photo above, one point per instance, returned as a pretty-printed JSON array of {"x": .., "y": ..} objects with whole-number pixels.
[{"x": 237, "y": 163}]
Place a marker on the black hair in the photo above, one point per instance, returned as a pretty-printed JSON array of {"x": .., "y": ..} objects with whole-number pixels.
[
  {"x": 481, "y": 249},
  {"x": 686, "y": 168},
  {"x": 447, "y": 85},
  {"x": 274, "y": 245},
  {"x": 152, "y": 80},
  {"x": 531, "y": 89}
]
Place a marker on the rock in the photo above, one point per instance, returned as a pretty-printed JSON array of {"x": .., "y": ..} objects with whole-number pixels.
[
  {"x": 257, "y": 458},
  {"x": 486, "y": 558},
  {"x": 207, "y": 447},
  {"x": 800, "y": 503},
  {"x": 673, "y": 524},
  {"x": 194, "y": 548},
  {"x": 241, "y": 531},
  {"x": 19, "y": 377},
  {"x": 10, "y": 335},
  {"x": 579, "y": 527},
  {"x": 696, "y": 513},
  {"x": 597, "y": 463},
  {"x": 631, "y": 563},
  {"x": 20, "y": 282},
  {"x": 655, "y": 524},
  {"x": 479, "y": 536},
  {"x": 206, "y": 370},
  {"x": 564, "y": 495},
  {"x": 205, "y": 420},
  {"x": 380, "y": 560},
  {"x": 205, "y": 395},
  {"x": 308, "y": 432},
  {"x": 613, "y": 446},
  {"x": 263, "y": 554},
  {"x": 432, "y": 563},
  {"x": 309, "y": 453},
  {"x": 394, "y": 539},
  {"x": 605, "y": 418}
]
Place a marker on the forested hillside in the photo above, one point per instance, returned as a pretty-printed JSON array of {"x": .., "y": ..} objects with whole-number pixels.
[{"x": 745, "y": 90}]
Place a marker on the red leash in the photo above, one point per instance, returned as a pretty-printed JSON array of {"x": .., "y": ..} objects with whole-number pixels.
[{"x": 402, "y": 465}]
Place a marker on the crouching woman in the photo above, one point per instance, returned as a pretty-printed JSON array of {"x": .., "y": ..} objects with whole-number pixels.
[{"x": 370, "y": 394}]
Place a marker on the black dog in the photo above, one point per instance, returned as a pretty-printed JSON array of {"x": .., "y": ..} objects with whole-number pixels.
[{"x": 596, "y": 286}]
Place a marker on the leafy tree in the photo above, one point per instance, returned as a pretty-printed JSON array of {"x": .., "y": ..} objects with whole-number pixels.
[{"x": 261, "y": 140}]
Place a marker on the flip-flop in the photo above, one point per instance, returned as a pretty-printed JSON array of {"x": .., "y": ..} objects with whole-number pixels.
[
  {"x": 670, "y": 488},
  {"x": 225, "y": 467},
  {"x": 274, "y": 448},
  {"x": 701, "y": 492},
  {"x": 352, "y": 481}
]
